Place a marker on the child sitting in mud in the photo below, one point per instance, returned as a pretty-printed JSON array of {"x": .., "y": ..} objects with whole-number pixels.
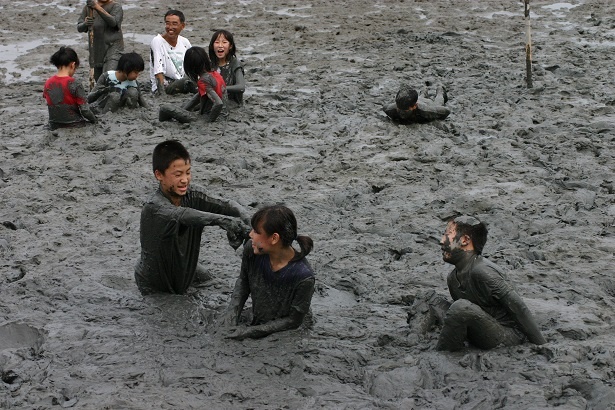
[
  {"x": 222, "y": 55},
  {"x": 409, "y": 108},
  {"x": 119, "y": 88},
  {"x": 277, "y": 277},
  {"x": 66, "y": 98},
  {"x": 172, "y": 223},
  {"x": 212, "y": 91}
]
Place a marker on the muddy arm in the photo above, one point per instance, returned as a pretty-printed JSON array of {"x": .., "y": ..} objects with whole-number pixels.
[
  {"x": 100, "y": 89},
  {"x": 240, "y": 292},
  {"x": 217, "y": 106},
  {"x": 204, "y": 202},
  {"x": 112, "y": 20},
  {"x": 240, "y": 82},
  {"x": 518, "y": 308},
  {"x": 304, "y": 292}
]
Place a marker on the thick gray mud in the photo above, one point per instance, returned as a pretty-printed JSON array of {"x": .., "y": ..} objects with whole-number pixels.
[{"x": 535, "y": 164}]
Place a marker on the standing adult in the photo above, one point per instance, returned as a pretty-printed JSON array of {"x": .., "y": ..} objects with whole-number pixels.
[
  {"x": 166, "y": 60},
  {"x": 487, "y": 311},
  {"x": 104, "y": 18}
]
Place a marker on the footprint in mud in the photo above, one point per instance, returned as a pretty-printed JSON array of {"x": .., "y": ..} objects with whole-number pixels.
[{"x": 20, "y": 335}]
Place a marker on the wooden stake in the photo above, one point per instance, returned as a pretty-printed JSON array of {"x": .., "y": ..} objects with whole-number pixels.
[
  {"x": 528, "y": 45},
  {"x": 91, "y": 44}
]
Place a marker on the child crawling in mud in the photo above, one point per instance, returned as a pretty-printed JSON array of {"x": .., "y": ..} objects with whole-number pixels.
[
  {"x": 65, "y": 96},
  {"x": 211, "y": 97},
  {"x": 172, "y": 223},
  {"x": 487, "y": 311},
  {"x": 119, "y": 88},
  {"x": 410, "y": 108},
  {"x": 277, "y": 277}
]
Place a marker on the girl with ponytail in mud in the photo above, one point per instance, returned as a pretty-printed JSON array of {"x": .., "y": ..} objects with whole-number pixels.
[{"x": 277, "y": 276}]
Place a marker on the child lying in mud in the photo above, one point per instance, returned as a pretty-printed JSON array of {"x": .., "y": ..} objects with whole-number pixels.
[
  {"x": 487, "y": 311},
  {"x": 172, "y": 222},
  {"x": 119, "y": 88},
  {"x": 409, "y": 108},
  {"x": 277, "y": 277}
]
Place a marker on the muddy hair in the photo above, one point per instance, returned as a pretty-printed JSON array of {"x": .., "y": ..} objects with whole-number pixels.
[
  {"x": 166, "y": 152},
  {"x": 182, "y": 18},
  {"x": 475, "y": 229},
  {"x": 196, "y": 62},
  {"x": 281, "y": 220},
  {"x": 63, "y": 57},
  {"x": 130, "y": 62},
  {"x": 406, "y": 98},
  {"x": 227, "y": 35}
]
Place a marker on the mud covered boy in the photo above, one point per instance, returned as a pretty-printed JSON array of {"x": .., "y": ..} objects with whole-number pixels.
[
  {"x": 172, "y": 222},
  {"x": 410, "y": 108}
]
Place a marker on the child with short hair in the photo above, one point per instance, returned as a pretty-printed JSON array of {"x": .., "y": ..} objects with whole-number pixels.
[
  {"x": 120, "y": 87},
  {"x": 212, "y": 90},
  {"x": 65, "y": 96},
  {"x": 172, "y": 223},
  {"x": 410, "y": 108}
]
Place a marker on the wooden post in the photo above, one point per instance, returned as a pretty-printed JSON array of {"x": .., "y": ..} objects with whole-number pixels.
[
  {"x": 528, "y": 45},
  {"x": 91, "y": 46}
]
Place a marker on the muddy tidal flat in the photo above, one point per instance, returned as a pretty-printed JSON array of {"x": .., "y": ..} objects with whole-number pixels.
[{"x": 537, "y": 165}]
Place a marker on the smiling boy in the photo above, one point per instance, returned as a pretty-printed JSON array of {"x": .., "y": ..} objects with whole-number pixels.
[{"x": 172, "y": 222}]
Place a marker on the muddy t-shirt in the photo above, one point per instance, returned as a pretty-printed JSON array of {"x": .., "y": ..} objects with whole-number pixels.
[
  {"x": 167, "y": 59},
  {"x": 171, "y": 239},
  {"x": 66, "y": 99},
  {"x": 274, "y": 294},
  {"x": 211, "y": 81},
  {"x": 482, "y": 283},
  {"x": 229, "y": 74}
]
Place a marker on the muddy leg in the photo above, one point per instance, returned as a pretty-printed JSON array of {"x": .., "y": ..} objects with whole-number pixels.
[
  {"x": 131, "y": 98},
  {"x": 113, "y": 102},
  {"x": 169, "y": 111}
]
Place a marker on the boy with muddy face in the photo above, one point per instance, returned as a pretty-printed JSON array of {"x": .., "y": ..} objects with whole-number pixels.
[
  {"x": 409, "y": 108},
  {"x": 487, "y": 311},
  {"x": 172, "y": 222}
]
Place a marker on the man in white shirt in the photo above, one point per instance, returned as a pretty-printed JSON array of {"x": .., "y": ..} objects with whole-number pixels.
[{"x": 166, "y": 64}]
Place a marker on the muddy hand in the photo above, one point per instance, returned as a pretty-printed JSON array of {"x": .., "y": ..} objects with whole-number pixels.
[
  {"x": 235, "y": 234},
  {"x": 236, "y": 334}
]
